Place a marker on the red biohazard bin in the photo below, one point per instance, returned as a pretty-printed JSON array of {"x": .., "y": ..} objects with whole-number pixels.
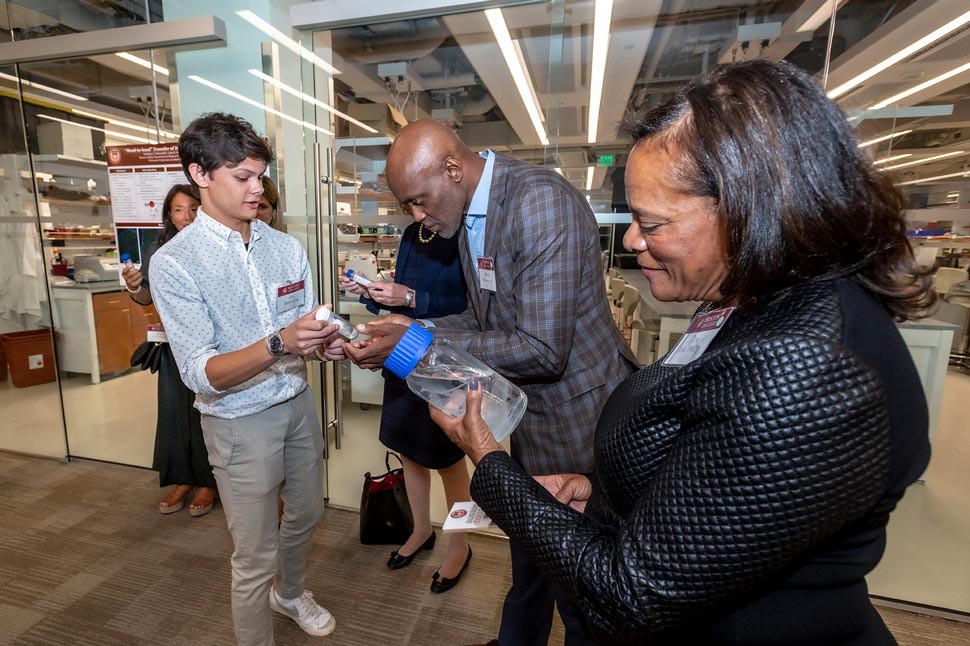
[{"x": 30, "y": 356}]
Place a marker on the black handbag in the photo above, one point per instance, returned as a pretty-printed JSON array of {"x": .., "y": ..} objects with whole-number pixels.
[
  {"x": 148, "y": 356},
  {"x": 385, "y": 514}
]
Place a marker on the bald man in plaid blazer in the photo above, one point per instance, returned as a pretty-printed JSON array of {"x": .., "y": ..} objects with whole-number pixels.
[{"x": 539, "y": 316}]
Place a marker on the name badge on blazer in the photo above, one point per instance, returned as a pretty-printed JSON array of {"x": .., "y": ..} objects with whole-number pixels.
[
  {"x": 698, "y": 336},
  {"x": 289, "y": 296},
  {"x": 486, "y": 273}
]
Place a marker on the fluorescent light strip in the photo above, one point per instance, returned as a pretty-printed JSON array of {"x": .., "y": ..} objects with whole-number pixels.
[
  {"x": 928, "y": 39},
  {"x": 286, "y": 41},
  {"x": 884, "y": 138},
  {"x": 925, "y": 160},
  {"x": 886, "y": 160},
  {"x": 246, "y": 99},
  {"x": 963, "y": 173},
  {"x": 112, "y": 133},
  {"x": 589, "y": 178},
  {"x": 141, "y": 61},
  {"x": 40, "y": 86},
  {"x": 122, "y": 124},
  {"x": 601, "y": 43},
  {"x": 922, "y": 86},
  {"x": 528, "y": 77},
  {"x": 501, "y": 31},
  {"x": 306, "y": 97}
]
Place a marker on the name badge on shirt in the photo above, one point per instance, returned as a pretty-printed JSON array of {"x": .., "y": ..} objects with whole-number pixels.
[
  {"x": 289, "y": 296},
  {"x": 486, "y": 273},
  {"x": 156, "y": 334},
  {"x": 698, "y": 336}
]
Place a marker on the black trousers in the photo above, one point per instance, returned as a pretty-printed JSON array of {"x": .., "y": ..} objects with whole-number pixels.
[
  {"x": 527, "y": 613},
  {"x": 180, "y": 454}
]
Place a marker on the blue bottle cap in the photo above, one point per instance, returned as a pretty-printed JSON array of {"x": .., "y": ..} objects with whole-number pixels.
[
  {"x": 408, "y": 351},
  {"x": 350, "y": 274},
  {"x": 125, "y": 257}
]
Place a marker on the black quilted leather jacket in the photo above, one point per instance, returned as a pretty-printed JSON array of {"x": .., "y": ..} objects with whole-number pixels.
[{"x": 740, "y": 499}]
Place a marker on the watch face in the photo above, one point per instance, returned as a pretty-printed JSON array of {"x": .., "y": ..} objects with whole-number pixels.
[{"x": 276, "y": 344}]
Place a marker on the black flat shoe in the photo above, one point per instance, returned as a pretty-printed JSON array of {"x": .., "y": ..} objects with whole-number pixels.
[
  {"x": 441, "y": 584},
  {"x": 397, "y": 561}
]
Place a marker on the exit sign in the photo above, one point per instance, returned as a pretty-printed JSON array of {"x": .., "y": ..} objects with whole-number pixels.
[{"x": 605, "y": 160}]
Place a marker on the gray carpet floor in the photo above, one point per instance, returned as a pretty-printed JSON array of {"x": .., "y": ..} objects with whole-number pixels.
[{"x": 87, "y": 560}]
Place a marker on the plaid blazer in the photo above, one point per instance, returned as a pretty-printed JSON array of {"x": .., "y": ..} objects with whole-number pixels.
[{"x": 548, "y": 326}]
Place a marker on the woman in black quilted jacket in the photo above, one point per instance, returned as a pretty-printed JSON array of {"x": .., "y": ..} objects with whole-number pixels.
[{"x": 743, "y": 483}]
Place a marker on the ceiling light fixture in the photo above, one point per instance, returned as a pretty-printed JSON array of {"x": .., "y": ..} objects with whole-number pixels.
[
  {"x": 40, "y": 86},
  {"x": 286, "y": 41},
  {"x": 589, "y": 178},
  {"x": 112, "y": 133},
  {"x": 900, "y": 133},
  {"x": 141, "y": 61},
  {"x": 904, "y": 53},
  {"x": 501, "y": 31},
  {"x": 257, "y": 104},
  {"x": 963, "y": 173},
  {"x": 925, "y": 160},
  {"x": 558, "y": 170},
  {"x": 306, "y": 97},
  {"x": 602, "y": 15},
  {"x": 886, "y": 160},
  {"x": 922, "y": 86}
]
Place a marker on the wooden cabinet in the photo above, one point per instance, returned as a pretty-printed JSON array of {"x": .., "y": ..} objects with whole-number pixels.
[
  {"x": 141, "y": 317},
  {"x": 112, "y": 322}
]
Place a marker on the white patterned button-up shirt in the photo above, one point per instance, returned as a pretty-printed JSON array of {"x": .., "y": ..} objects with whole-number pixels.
[{"x": 215, "y": 295}]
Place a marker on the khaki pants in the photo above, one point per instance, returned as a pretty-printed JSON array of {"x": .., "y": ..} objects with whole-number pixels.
[{"x": 251, "y": 457}]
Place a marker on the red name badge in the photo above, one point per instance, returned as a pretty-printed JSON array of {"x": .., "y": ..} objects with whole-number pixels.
[{"x": 289, "y": 296}]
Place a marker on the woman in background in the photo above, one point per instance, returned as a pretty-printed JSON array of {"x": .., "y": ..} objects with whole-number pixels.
[
  {"x": 427, "y": 283},
  {"x": 268, "y": 203},
  {"x": 180, "y": 455}
]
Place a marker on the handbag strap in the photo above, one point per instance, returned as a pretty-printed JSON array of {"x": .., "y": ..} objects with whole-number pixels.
[{"x": 387, "y": 460}]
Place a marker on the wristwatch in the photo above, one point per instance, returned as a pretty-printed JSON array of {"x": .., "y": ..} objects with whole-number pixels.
[
  {"x": 408, "y": 298},
  {"x": 274, "y": 343}
]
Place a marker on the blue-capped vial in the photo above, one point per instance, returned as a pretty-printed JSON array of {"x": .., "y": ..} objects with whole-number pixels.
[
  {"x": 126, "y": 261},
  {"x": 358, "y": 278}
]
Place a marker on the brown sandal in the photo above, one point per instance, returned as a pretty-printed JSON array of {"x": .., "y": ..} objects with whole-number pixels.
[
  {"x": 201, "y": 505},
  {"x": 174, "y": 501}
]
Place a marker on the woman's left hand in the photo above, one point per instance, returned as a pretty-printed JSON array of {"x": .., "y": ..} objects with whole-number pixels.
[
  {"x": 390, "y": 294},
  {"x": 469, "y": 432},
  {"x": 570, "y": 489}
]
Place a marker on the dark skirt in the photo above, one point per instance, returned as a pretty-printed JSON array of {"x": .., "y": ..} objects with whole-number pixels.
[
  {"x": 180, "y": 455},
  {"x": 406, "y": 428}
]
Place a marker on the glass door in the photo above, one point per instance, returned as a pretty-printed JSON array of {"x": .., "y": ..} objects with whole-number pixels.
[{"x": 30, "y": 405}]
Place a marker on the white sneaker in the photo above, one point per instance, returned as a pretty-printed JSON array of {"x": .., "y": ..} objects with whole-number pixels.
[{"x": 307, "y": 613}]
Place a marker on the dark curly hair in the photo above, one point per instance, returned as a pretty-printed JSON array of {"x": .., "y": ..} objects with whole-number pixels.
[
  {"x": 218, "y": 139},
  {"x": 797, "y": 200}
]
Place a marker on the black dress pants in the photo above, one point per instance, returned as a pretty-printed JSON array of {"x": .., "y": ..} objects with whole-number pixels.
[{"x": 527, "y": 613}]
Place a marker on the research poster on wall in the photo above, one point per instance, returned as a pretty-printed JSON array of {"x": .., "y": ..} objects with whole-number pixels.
[{"x": 139, "y": 177}]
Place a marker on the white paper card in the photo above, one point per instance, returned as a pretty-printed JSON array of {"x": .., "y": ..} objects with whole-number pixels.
[
  {"x": 465, "y": 516},
  {"x": 156, "y": 334}
]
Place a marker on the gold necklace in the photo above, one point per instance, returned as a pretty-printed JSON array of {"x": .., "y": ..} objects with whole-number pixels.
[{"x": 421, "y": 238}]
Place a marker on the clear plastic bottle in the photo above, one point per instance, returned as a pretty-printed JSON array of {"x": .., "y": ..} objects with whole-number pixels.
[
  {"x": 358, "y": 278},
  {"x": 345, "y": 329},
  {"x": 126, "y": 261},
  {"x": 438, "y": 372}
]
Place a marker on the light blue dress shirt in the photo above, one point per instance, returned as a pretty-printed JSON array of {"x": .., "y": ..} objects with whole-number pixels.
[
  {"x": 215, "y": 294},
  {"x": 477, "y": 210}
]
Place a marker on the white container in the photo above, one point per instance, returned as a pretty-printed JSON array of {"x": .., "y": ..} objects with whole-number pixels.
[
  {"x": 345, "y": 329},
  {"x": 438, "y": 371}
]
